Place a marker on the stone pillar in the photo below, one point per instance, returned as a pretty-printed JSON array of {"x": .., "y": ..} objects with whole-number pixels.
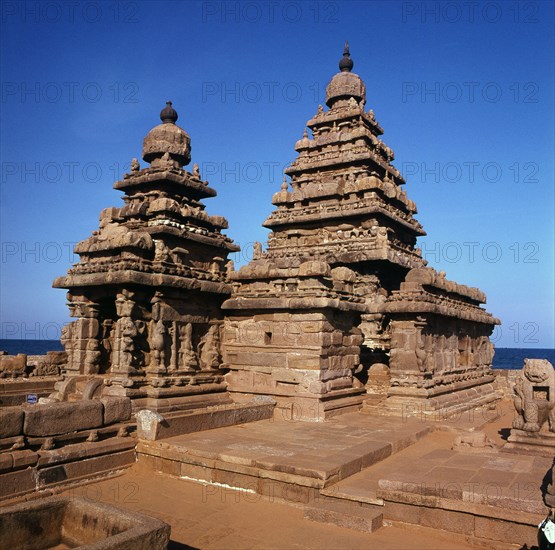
[{"x": 81, "y": 338}]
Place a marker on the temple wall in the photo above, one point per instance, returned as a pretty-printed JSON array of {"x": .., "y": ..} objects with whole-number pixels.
[
  {"x": 440, "y": 363},
  {"x": 301, "y": 359}
]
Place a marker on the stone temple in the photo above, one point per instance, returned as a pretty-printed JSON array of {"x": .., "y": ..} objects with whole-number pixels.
[
  {"x": 148, "y": 290},
  {"x": 309, "y": 371},
  {"x": 339, "y": 311},
  {"x": 342, "y": 295}
]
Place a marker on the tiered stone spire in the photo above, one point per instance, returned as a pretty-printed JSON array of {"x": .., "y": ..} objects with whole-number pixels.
[
  {"x": 147, "y": 289},
  {"x": 346, "y": 205}
]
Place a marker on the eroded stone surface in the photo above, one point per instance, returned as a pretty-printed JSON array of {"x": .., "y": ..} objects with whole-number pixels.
[
  {"x": 59, "y": 418},
  {"x": 75, "y": 522}
]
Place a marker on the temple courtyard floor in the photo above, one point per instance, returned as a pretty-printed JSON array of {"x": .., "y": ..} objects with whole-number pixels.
[{"x": 356, "y": 481}]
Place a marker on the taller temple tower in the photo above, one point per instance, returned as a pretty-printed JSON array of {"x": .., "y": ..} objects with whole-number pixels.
[
  {"x": 148, "y": 288},
  {"x": 342, "y": 287}
]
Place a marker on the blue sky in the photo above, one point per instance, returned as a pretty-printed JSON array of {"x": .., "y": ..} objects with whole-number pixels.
[{"x": 463, "y": 91}]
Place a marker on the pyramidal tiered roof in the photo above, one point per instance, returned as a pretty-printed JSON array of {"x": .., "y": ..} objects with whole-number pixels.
[
  {"x": 147, "y": 290},
  {"x": 162, "y": 234},
  {"x": 346, "y": 204}
]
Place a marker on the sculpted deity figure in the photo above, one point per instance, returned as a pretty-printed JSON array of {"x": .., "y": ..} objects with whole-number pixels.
[
  {"x": 257, "y": 251},
  {"x": 187, "y": 357},
  {"x": 229, "y": 267},
  {"x": 66, "y": 338},
  {"x": 127, "y": 332},
  {"x": 158, "y": 343},
  {"x": 92, "y": 357},
  {"x": 534, "y": 396},
  {"x": 209, "y": 349},
  {"x": 161, "y": 251},
  {"x": 421, "y": 355}
]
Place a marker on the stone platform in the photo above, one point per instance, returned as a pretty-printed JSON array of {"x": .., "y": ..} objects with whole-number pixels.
[
  {"x": 480, "y": 493},
  {"x": 361, "y": 472},
  {"x": 287, "y": 460}
]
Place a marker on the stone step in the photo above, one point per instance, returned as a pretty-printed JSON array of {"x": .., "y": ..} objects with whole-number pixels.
[{"x": 347, "y": 514}]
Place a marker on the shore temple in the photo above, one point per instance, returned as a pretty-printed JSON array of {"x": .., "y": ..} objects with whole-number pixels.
[{"x": 335, "y": 369}]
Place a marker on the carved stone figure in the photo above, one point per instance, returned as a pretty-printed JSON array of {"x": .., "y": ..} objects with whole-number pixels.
[
  {"x": 209, "y": 349},
  {"x": 187, "y": 356},
  {"x": 534, "y": 396},
  {"x": 158, "y": 344},
  {"x": 257, "y": 251}
]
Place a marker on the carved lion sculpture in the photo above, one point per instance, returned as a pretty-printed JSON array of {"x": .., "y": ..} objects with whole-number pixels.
[{"x": 534, "y": 396}]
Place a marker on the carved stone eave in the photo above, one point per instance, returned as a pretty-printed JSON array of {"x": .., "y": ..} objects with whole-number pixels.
[
  {"x": 179, "y": 181},
  {"x": 344, "y": 159},
  {"x": 187, "y": 232},
  {"x": 129, "y": 277},
  {"x": 447, "y": 307},
  {"x": 294, "y": 217},
  {"x": 291, "y": 303},
  {"x": 341, "y": 114}
]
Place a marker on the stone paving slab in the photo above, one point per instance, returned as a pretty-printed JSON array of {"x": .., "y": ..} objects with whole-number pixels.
[
  {"x": 324, "y": 452},
  {"x": 487, "y": 493}
]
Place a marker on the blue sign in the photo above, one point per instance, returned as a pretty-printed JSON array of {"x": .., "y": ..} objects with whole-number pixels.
[{"x": 32, "y": 398}]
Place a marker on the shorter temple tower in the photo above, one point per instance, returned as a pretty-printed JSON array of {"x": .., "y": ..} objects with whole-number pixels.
[{"x": 147, "y": 291}]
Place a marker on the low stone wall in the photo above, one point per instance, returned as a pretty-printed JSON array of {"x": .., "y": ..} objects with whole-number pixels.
[
  {"x": 505, "y": 380},
  {"x": 23, "y": 365},
  {"x": 15, "y": 391},
  {"x": 48, "y": 444}
]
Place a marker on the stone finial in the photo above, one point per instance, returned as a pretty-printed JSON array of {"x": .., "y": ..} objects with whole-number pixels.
[
  {"x": 345, "y": 84},
  {"x": 167, "y": 138},
  {"x": 346, "y": 63},
  {"x": 284, "y": 185},
  {"x": 168, "y": 115}
]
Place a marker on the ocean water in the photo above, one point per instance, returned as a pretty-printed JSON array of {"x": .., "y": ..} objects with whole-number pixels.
[
  {"x": 30, "y": 347},
  {"x": 505, "y": 358}
]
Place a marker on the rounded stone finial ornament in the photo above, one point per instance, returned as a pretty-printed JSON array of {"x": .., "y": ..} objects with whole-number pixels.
[
  {"x": 346, "y": 63},
  {"x": 168, "y": 115},
  {"x": 345, "y": 84},
  {"x": 167, "y": 142}
]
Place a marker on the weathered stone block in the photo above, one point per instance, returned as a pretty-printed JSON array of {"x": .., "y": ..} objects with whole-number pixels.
[
  {"x": 11, "y": 421},
  {"x": 148, "y": 424},
  {"x": 302, "y": 361},
  {"x": 13, "y": 365},
  {"x": 116, "y": 409},
  {"x": 60, "y": 418}
]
